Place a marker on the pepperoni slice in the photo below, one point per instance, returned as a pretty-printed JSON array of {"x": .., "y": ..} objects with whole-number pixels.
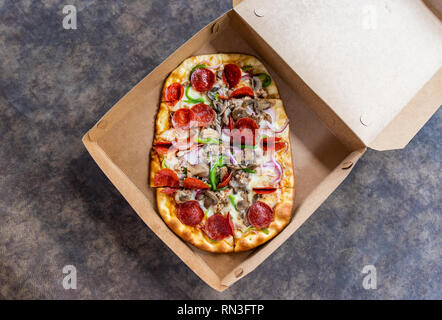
[
  {"x": 204, "y": 114},
  {"x": 202, "y": 79},
  {"x": 246, "y": 123},
  {"x": 194, "y": 183},
  {"x": 225, "y": 181},
  {"x": 260, "y": 215},
  {"x": 273, "y": 143},
  {"x": 174, "y": 93},
  {"x": 218, "y": 227},
  {"x": 242, "y": 92},
  {"x": 246, "y": 131},
  {"x": 166, "y": 178},
  {"x": 163, "y": 147},
  {"x": 183, "y": 118},
  {"x": 169, "y": 190},
  {"x": 231, "y": 75},
  {"x": 189, "y": 212},
  {"x": 264, "y": 190}
]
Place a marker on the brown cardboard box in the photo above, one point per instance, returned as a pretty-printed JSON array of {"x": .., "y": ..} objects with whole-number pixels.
[{"x": 352, "y": 74}]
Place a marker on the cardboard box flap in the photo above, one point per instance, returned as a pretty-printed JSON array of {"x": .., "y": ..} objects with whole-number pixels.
[{"x": 367, "y": 59}]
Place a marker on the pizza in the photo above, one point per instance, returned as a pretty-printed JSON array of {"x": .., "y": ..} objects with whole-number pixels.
[{"x": 221, "y": 160}]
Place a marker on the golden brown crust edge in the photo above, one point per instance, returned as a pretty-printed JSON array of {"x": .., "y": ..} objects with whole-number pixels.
[
  {"x": 182, "y": 72},
  {"x": 193, "y": 235},
  {"x": 283, "y": 214}
]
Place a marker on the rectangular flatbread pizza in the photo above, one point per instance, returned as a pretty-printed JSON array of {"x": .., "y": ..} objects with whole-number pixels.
[{"x": 221, "y": 158}]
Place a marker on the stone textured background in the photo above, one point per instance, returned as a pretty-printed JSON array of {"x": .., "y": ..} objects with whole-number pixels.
[{"x": 57, "y": 207}]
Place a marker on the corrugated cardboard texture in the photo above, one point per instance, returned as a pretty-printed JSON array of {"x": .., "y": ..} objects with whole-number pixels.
[
  {"x": 367, "y": 59},
  {"x": 122, "y": 139}
]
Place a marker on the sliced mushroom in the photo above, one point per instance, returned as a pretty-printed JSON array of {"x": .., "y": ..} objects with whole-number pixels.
[
  {"x": 212, "y": 93},
  {"x": 241, "y": 178},
  {"x": 222, "y": 172},
  {"x": 226, "y": 117},
  {"x": 218, "y": 106},
  {"x": 256, "y": 83},
  {"x": 263, "y": 104},
  {"x": 261, "y": 93},
  {"x": 250, "y": 102},
  {"x": 239, "y": 113},
  {"x": 242, "y": 205},
  {"x": 235, "y": 103},
  {"x": 267, "y": 117},
  {"x": 199, "y": 170},
  {"x": 183, "y": 196},
  {"x": 210, "y": 198},
  {"x": 256, "y": 197}
]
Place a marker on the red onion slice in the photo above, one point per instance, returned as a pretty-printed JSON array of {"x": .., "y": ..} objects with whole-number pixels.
[
  {"x": 214, "y": 67},
  {"x": 271, "y": 113},
  {"x": 232, "y": 158},
  {"x": 246, "y": 76},
  {"x": 277, "y": 168},
  {"x": 197, "y": 193}
]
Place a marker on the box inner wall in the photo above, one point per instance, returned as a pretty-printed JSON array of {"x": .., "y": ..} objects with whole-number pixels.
[{"x": 316, "y": 150}]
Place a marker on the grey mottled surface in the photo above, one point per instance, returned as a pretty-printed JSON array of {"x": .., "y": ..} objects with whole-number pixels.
[{"x": 57, "y": 207}]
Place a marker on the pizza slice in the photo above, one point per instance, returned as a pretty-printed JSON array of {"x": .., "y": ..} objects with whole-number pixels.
[
  {"x": 228, "y": 220},
  {"x": 262, "y": 152},
  {"x": 217, "y": 77}
]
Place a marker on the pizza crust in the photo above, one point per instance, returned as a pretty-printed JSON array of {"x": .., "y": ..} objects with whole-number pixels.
[
  {"x": 283, "y": 214},
  {"x": 182, "y": 72},
  {"x": 194, "y": 235},
  {"x": 258, "y": 67}
]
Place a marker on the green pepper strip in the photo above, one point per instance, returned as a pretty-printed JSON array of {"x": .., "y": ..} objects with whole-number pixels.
[
  {"x": 163, "y": 164},
  {"x": 190, "y": 99},
  {"x": 212, "y": 173},
  {"x": 232, "y": 201},
  {"x": 265, "y": 78},
  {"x": 248, "y": 170},
  {"x": 249, "y": 229},
  {"x": 244, "y": 146},
  {"x": 197, "y": 67},
  {"x": 265, "y": 230},
  {"x": 207, "y": 140},
  {"x": 247, "y": 67}
]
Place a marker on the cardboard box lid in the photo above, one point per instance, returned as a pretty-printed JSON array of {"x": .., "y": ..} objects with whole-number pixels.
[{"x": 376, "y": 63}]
